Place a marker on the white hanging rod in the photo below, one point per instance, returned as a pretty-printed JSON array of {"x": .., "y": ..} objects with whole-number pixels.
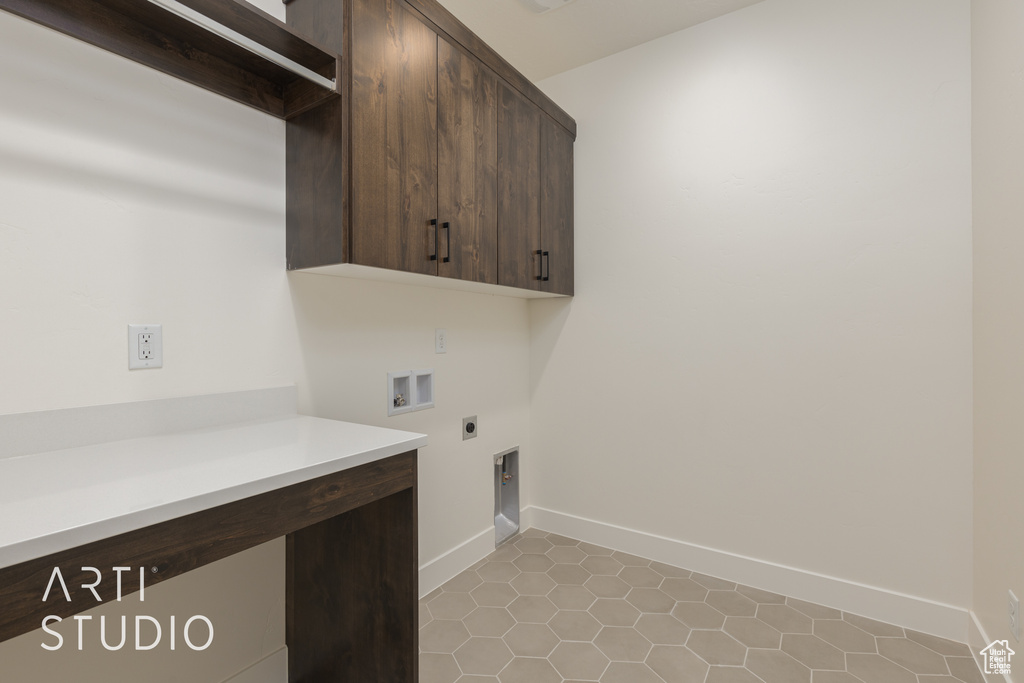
[{"x": 214, "y": 27}]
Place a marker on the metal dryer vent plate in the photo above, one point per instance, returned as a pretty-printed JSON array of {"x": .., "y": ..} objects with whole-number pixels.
[{"x": 544, "y": 6}]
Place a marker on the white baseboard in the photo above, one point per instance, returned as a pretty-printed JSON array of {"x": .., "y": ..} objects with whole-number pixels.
[
  {"x": 917, "y": 613},
  {"x": 271, "y": 669},
  {"x": 440, "y": 569},
  {"x": 448, "y": 565},
  {"x": 978, "y": 640}
]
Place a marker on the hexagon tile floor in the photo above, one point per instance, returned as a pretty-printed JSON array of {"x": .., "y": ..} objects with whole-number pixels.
[{"x": 548, "y": 609}]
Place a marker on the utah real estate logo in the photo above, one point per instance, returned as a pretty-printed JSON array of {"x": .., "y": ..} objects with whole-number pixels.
[{"x": 997, "y": 657}]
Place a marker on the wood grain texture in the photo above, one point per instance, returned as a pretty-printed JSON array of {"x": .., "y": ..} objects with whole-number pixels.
[
  {"x": 318, "y": 164},
  {"x": 519, "y": 226},
  {"x": 447, "y": 24},
  {"x": 181, "y": 545},
  {"x": 439, "y": 135},
  {"x": 250, "y": 21},
  {"x": 315, "y": 182},
  {"x": 394, "y": 137},
  {"x": 556, "y": 202},
  {"x": 156, "y": 38},
  {"x": 352, "y": 595},
  {"x": 467, "y": 133}
]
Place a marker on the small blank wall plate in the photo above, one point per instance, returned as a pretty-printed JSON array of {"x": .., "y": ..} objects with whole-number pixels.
[
  {"x": 145, "y": 346},
  {"x": 410, "y": 391}
]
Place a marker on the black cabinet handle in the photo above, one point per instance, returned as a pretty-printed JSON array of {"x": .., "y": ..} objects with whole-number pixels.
[
  {"x": 540, "y": 263},
  {"x": 433, "y": 221},
  {"x": 546, "y": 255},
  {"x": 448, "y": 234}
]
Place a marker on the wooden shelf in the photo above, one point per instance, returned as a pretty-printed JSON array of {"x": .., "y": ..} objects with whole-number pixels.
[{"x": 149, "y": 34}]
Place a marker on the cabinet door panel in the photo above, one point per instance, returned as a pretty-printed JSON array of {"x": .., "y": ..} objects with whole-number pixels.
[
  {"x": 394, "y": 137},
  {"x": 467, "y": 139},
  {"x": 557, "y": 206},
  {"x": 519, "y": 229}
]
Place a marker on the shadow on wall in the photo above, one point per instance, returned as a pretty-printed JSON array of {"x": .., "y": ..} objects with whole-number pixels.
[
  {"x": 547, "y": 320},
  {"x": 210, "y": 201},
  {"x": 132, "y": 134}
]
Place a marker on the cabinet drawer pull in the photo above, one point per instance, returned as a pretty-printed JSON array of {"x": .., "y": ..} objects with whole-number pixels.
[
  {"x": 540, "y": 264},
  {"x": 546, "y": 256},
  {"x": 448, "y": 236},
  {"x": 433, "y": 222}
]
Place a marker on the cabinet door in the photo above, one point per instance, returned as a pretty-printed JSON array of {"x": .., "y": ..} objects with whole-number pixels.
[
  {"x": 394, "y": 138},
  {"x": 519, "y": 231},
  {"x": 467, "y": 149},
  {"x": 556, "y": 202}
]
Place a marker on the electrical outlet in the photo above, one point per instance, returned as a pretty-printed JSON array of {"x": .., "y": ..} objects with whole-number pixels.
[
  {"x": 469, "y": 428},
  {"x": 145, "y": 347},
  {"x": 1014, "y": 610},
  {"x": 440, "y": 341}
]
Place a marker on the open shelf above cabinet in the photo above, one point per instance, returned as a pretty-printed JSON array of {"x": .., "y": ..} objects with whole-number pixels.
[{"x": 264, "y": 73}]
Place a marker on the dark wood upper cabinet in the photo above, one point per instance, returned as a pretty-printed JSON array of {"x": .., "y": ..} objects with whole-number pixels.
[
  {"x": 519, "y": 233},
  {"x": 556, "y": 207},
  {"x": 394, "y": 138},
  {"x": 467, "y": 133},
  {"x": 435, "y": 161},
  {"x": 535, "y": 198}
]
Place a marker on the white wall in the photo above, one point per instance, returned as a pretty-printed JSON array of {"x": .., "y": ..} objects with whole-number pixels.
[
  {"x": 998, "y": 301},
  {"x": 773, "y": 280},
  {"x": 129, "y": 196},
  {"x": 769, "y": 353},
  {"x": 354, "y": 332}
]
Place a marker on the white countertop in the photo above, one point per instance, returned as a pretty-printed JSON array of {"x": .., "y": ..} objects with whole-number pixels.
[{"x": 58, "y": 500}]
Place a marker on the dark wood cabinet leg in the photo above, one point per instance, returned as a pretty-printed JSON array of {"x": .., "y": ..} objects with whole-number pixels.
[{"x": 352, "y": 596}]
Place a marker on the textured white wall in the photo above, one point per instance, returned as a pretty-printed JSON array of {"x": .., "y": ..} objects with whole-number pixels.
[
  {"x": 998, "y": 61},
  {"x": 769, "y": 352}
]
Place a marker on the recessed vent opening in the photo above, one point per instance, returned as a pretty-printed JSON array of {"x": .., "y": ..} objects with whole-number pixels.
[{"x": 506, "y": 495}]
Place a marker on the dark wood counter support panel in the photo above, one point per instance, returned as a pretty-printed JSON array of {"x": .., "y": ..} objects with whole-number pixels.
[
  {"x": 370, "y": 633},
  {"x": 151, "y": 35},
  {"x": 352, "y": 568}
]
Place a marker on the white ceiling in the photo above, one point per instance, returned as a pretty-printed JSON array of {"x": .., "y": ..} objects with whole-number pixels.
[{"x": 542, "y": 45}]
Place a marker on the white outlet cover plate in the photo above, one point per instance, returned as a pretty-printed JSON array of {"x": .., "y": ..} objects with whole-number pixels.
[
  {"x": 136, "y": 359},
  {"x": 440, "y": 340},
  {"x": 1014, "y": 609}
]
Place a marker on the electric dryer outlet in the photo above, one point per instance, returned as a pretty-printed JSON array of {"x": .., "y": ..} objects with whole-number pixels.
[{"x": 470, "y": 428}]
